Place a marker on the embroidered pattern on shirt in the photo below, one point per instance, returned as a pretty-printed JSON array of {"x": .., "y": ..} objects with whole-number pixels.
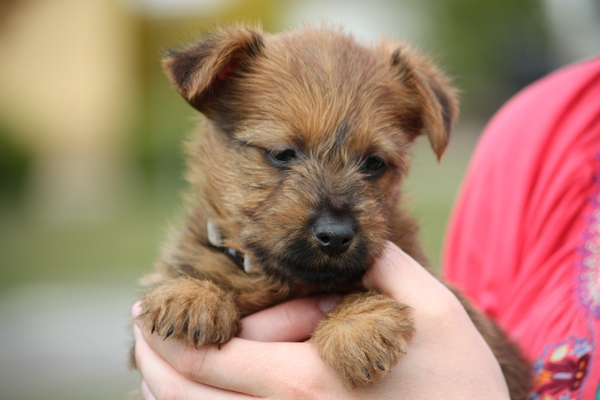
[
  {"x": 559, "y": 373},
  {"x": 588, "y": 279}
]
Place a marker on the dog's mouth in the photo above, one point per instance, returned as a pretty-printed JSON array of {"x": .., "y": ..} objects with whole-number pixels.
[{"x": 302, "y": 263}]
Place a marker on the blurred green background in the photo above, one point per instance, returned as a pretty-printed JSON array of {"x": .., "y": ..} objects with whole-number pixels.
[{"x": 91, "y": 162}]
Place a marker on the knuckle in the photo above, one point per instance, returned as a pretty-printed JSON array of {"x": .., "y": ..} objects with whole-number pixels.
[
  {"x": 304, "y": 385},
  {"x": 191, "y": 363},
  {"x": 170, "y": 391},
  {"x": 301, "y": 389}
]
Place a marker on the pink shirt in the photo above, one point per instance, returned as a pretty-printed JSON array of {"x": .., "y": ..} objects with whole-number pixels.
[{"x": 524, "y": 240}]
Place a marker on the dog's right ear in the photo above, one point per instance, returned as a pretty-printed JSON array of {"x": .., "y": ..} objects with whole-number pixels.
[
  {"x": 202, "y": 70},
  {"x": 437, "y": 100}
]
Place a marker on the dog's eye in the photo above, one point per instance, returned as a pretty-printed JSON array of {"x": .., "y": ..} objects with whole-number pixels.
[
  {"x": 281, "y": 158},
  {"x": 374, "y": 166}
]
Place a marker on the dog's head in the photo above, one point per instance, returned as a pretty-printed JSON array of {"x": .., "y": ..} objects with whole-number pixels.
[{"x": 307, "y": 139}]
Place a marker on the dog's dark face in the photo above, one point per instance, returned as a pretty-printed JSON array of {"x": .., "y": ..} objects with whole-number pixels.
[{"x": 307, "y": 140}]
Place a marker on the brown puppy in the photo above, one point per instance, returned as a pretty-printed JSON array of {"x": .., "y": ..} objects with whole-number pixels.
[{"x": 295, "y": 178}]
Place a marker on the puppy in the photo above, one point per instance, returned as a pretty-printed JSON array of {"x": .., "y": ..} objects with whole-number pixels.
[{"x": 295, "y": 189}]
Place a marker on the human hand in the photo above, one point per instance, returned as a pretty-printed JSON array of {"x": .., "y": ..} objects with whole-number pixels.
[{"x": 447, "y": 357}]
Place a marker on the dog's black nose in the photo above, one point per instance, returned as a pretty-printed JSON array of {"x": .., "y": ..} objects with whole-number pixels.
[{"x": 333, "y": 234}]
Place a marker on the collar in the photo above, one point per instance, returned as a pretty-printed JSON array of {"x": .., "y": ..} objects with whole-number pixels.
[
  {"x": 216, "y": 241},
  {"x": 232, "y": 254}
]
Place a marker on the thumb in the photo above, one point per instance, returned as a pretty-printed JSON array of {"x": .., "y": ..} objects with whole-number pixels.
[{"x": 401, "y": 277}]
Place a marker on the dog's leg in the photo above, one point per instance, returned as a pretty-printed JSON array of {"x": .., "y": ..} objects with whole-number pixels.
[
  {"x": 197, "y": 312},
  {"x": 363, "y": 336}
]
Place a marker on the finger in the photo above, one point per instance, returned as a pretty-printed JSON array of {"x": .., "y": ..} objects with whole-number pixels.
[
  {"x": 136, "y": 309},
  {"x": 292, "y": 321},
  {"x": 393, "y": 265},
  {"x": 161, "y": 380},
  {"x": 240, "y": 365},
  {"x": 399, "y": 275}
]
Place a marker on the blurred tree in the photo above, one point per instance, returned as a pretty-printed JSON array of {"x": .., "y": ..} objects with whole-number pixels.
[
  {"x": 15, "y": 160},
  {"x": 165, "y": 118},
  {"x": 68, "y": 96},
  {"x": 493, "y": 48}
]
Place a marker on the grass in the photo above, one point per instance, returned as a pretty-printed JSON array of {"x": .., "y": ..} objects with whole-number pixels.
[{"x": 117, "y": 248}]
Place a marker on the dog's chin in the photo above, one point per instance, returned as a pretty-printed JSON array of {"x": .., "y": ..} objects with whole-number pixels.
[
  {"x": 330, "y": 275},
  {"x": 303, "y": 265}
]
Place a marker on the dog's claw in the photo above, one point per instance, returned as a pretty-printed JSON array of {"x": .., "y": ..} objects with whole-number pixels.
[
  {"x": 380, "y": 366},
  {"x": 169, "y": 332},
  {"x": 153, "y": 328},
  {"x": 367, "y": 374},
  {"x": 197, "y": 337}
]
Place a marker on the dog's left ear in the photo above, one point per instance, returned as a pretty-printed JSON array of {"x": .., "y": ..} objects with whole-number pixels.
[
  {"x": 438, "y": 107},
  {"x": 203, "y": 70}
]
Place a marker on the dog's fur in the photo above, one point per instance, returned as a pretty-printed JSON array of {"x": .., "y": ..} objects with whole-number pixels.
[{"x": 306, "y": 132}]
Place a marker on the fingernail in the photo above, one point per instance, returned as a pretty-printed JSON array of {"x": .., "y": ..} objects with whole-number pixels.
[
  {"x": 328, "y": 303},
  {"x": 136, "y": 309}
]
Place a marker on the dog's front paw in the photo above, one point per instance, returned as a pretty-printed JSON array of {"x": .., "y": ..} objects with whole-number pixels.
[
  {"x": 196, "y": 312},
  {"x": 363, "y": 337}
]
